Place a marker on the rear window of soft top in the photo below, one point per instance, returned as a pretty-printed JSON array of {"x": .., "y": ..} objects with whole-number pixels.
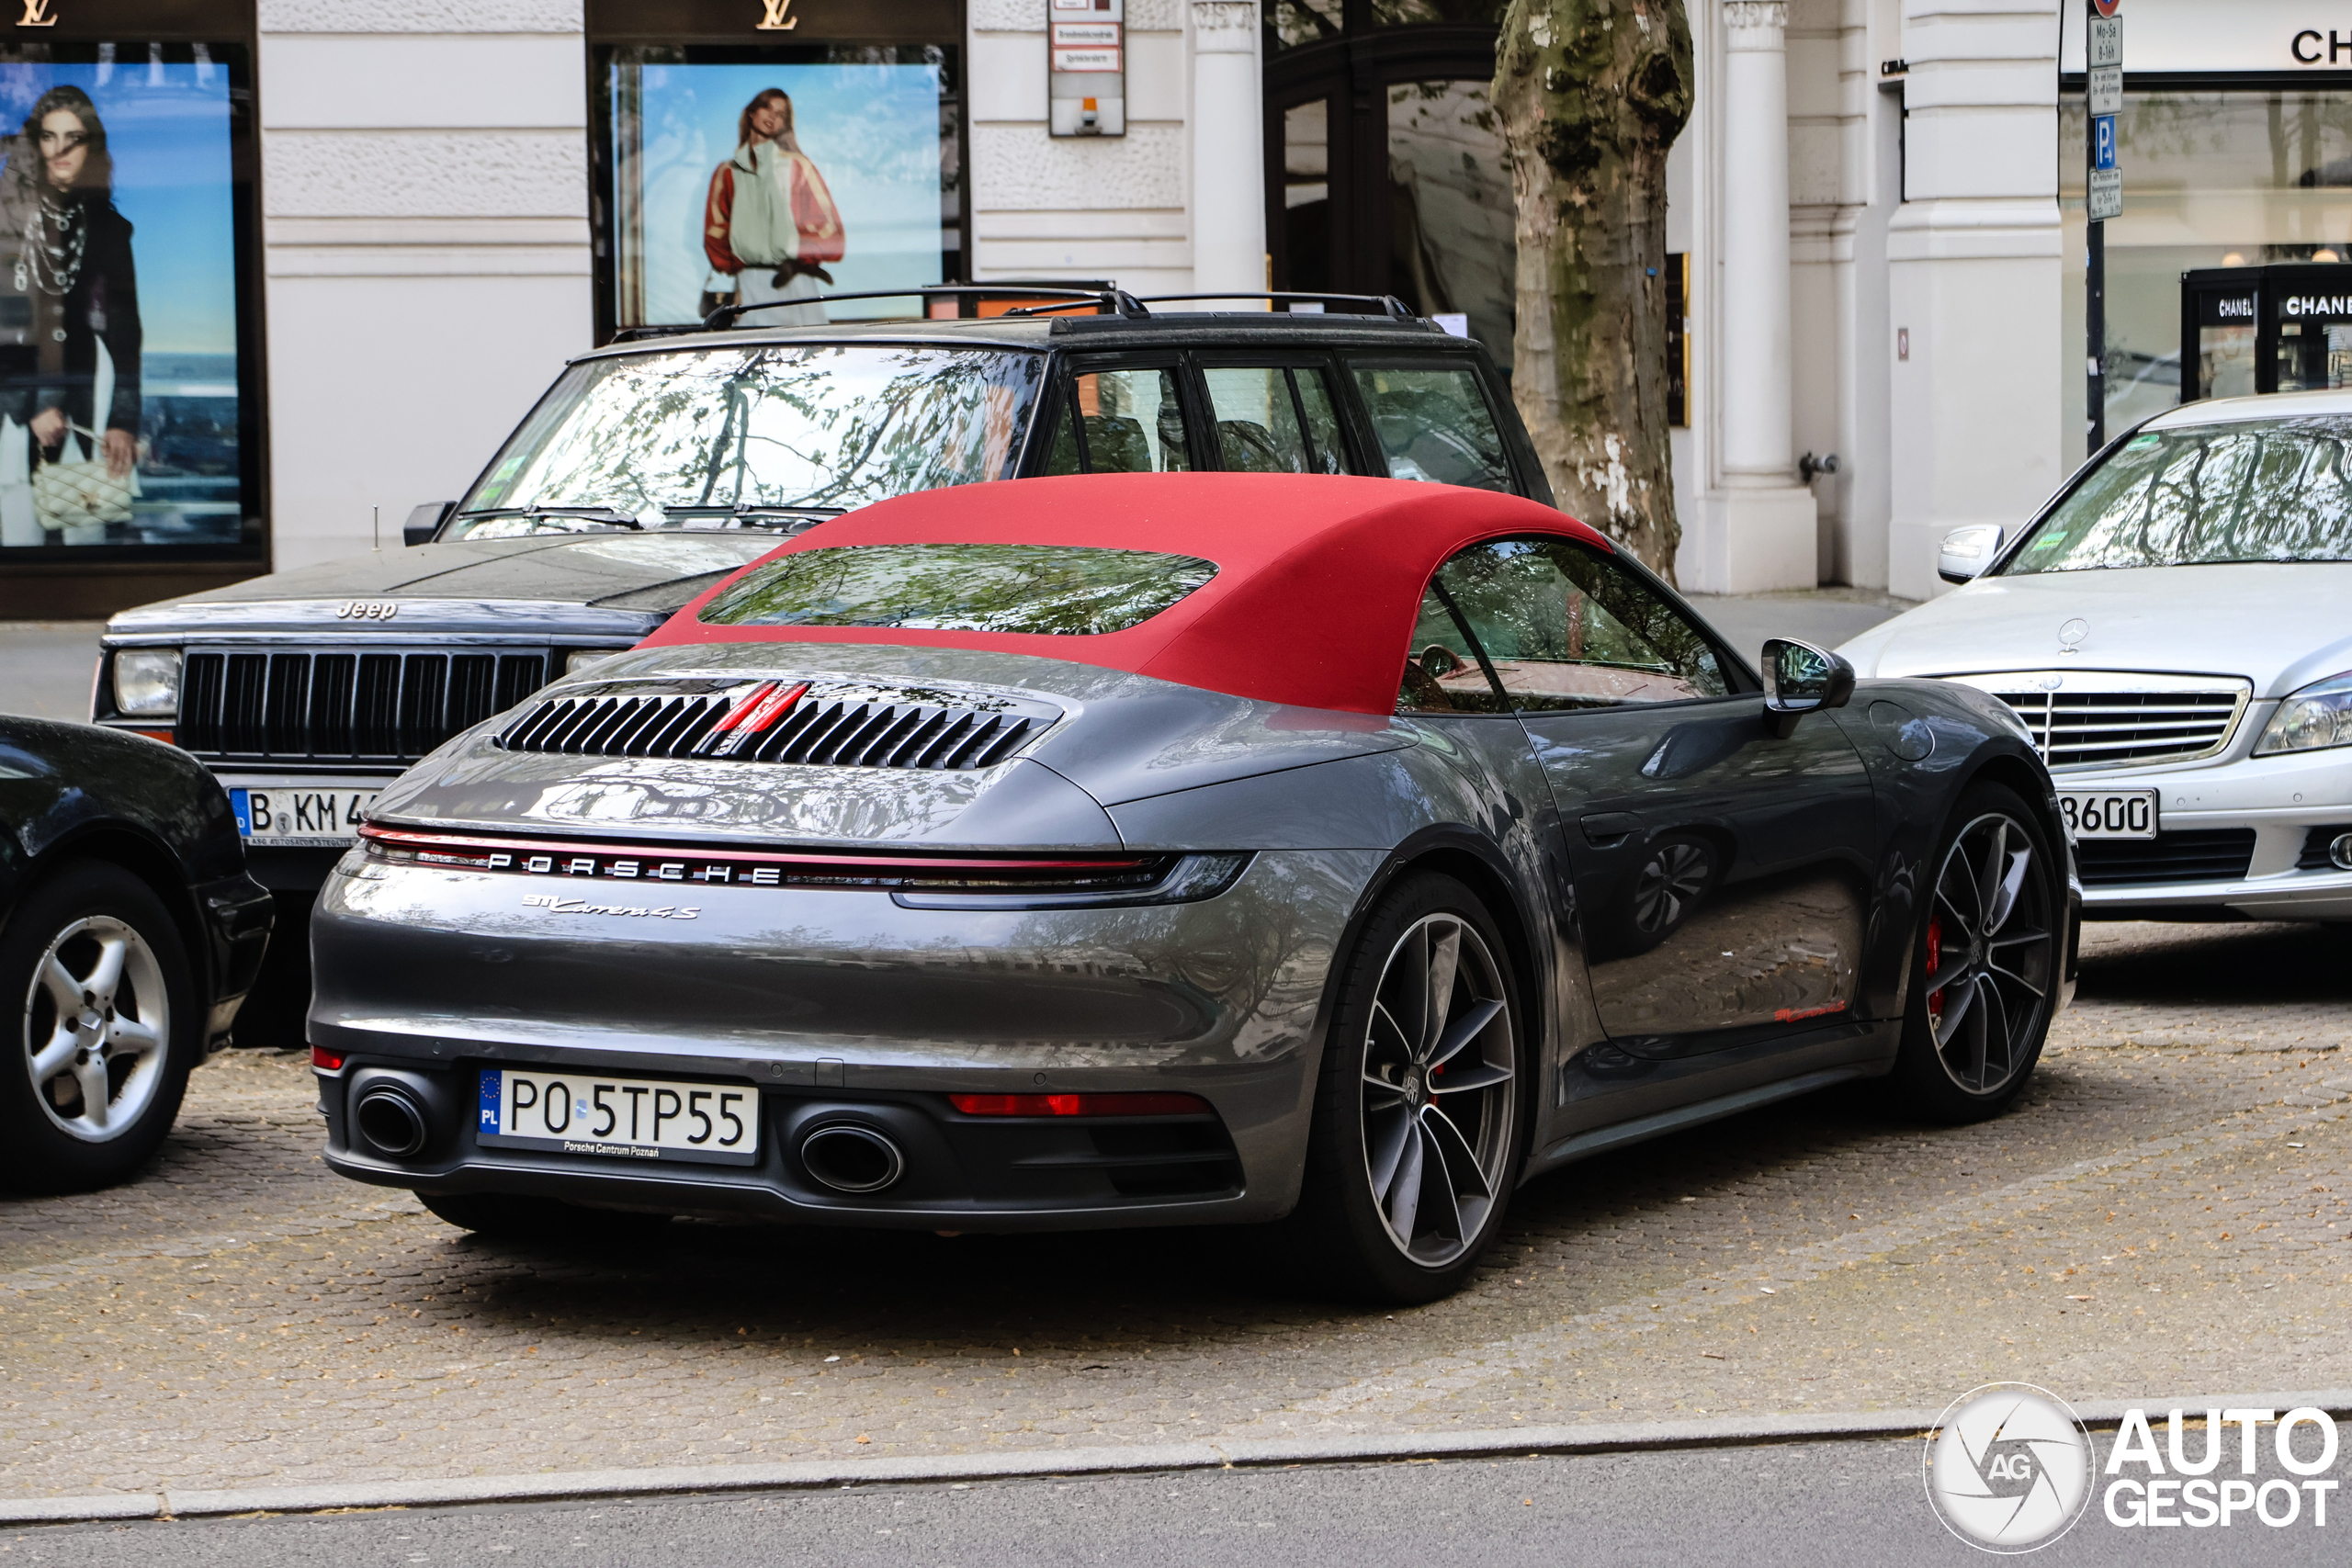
[{"x": 1050, "y": 589}]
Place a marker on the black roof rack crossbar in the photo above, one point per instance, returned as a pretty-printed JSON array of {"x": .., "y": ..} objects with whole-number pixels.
[
  {"x": 1390, "y": 306},
  {"x": 1115, "y": 301}
]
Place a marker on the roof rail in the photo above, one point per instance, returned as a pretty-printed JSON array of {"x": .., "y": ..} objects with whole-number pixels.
[
  {"x": 1390, "y": 306},
  {"x": 1115, "y": 302}
]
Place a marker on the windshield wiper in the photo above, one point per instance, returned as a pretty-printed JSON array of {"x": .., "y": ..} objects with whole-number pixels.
[
  {"x": 750, "y": 513},
  {"x": 592, "y": 514}
]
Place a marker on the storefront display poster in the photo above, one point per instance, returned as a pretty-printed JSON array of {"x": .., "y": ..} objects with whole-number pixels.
[
  {"x": 119, "y": 390},
  {"x": 764, "y": 182}
]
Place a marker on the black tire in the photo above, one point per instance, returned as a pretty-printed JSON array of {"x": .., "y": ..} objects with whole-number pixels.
[
  {"x": 507, "y": 1216},
  {"x": 1996, "y": 942},
  {"x": 91, "y": 1083},
  {"x": 1407, "y": 1179}
]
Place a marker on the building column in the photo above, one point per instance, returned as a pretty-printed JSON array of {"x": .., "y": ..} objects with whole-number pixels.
[
  {"x": 1768, "y": 518},
  {"x": 1227, "y": 130}
]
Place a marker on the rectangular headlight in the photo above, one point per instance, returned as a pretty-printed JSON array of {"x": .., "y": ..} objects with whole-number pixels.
[
  {"x": 147, "y": 683},
  {"x": 589, "y": 658}
]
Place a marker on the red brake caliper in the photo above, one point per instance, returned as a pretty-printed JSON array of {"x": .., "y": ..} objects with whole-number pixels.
[{"x": 1935, "y": 962}]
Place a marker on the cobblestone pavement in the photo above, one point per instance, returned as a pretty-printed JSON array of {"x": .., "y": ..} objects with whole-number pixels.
[{"x": 2166, "y": 1213}]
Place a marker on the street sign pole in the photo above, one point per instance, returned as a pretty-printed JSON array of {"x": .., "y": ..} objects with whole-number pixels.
[{"x": 2103, "y": 194}]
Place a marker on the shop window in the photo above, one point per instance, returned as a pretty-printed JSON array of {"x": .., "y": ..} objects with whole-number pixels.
[
  {"x": 2215, "y": 179},
  {"x": 768, "y": 174},
  {"x": 130, "y": 414},
  {"x": 1452, "y": 236}
]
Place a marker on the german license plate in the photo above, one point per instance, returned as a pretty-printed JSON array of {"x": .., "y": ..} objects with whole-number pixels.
[
  {"x": 297, "y": 817},
  {"x": 2108, "y": 814},
  {"x": 584, "y": 1113}
]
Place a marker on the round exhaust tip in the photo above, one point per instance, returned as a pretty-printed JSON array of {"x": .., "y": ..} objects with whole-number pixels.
[
  {"x": 2340, "y": 851},
  {"x": 391, "y": 1121},
  {"x": 851, "y": 1158}
]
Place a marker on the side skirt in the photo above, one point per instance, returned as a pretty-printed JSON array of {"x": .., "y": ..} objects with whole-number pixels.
[{"x": 1600, "y": 1139}]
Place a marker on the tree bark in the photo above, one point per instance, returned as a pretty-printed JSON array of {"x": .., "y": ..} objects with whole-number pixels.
[{"x": 1590, "y": 95}]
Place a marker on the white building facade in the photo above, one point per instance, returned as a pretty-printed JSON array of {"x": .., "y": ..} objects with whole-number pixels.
[{"x": 417, "y": 212}]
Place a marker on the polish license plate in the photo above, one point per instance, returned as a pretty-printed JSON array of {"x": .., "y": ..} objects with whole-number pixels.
[
  {"x": 301, "y": 818},
  {"x": 585, "y": 1113},
  {"x": 2108, "y": 814}
]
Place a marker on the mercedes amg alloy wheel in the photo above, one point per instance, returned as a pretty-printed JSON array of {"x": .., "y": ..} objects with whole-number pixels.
[
  {"x": 1986, "y": 964},
  {"x": 104, "y": 1030},
  {"x": 1420, "y": 1121}
]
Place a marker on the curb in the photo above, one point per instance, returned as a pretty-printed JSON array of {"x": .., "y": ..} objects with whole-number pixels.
[{"x": 1254, "y": 1453}]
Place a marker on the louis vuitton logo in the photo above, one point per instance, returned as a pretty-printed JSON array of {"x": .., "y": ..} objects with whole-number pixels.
[
  {"x": 774, "y": 21},
  {"x": 37, "y": 13}
]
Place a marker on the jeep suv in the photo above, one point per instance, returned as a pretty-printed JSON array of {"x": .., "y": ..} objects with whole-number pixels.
[{"x": 659, "y": 464}]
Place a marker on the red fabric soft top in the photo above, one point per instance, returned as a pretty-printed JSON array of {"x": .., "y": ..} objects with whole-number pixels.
[{"x": 1319, "y": 579}]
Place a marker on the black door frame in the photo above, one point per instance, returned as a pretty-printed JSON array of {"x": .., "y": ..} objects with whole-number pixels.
[{"x": 1352, "y": 72}]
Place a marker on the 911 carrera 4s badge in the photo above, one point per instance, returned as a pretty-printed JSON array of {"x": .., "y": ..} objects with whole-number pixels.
[{"x": 581, "y": 907}]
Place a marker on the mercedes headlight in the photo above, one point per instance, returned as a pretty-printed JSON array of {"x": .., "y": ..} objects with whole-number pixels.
[
  {"x": 2312, "y": 719},
  {"x": 589, "y": 658},
  {"x": 147, "y": 683}
]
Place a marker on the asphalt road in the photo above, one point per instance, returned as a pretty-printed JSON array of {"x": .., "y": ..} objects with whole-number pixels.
[{"x": 1821, "y": 1505}]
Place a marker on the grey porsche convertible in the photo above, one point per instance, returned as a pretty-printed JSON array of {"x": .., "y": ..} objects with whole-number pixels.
[{"x": 1143, "y": 849}]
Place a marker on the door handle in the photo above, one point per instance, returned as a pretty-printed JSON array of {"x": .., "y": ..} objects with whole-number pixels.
[{"x": 1605, "y": 829}]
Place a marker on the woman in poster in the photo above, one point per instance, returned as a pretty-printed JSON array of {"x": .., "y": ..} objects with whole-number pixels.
[
  {"x": 68, "y": 331},
  {"x": 770, "y": 224}
]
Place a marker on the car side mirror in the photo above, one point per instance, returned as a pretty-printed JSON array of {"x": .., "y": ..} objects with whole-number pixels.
[
  {"x": 425, "y": 521},
  {"x": 1800, "y": 679},
  {"x": 1966, "y": 552}
]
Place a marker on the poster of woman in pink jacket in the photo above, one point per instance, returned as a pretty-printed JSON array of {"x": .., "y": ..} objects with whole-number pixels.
[{"x": 780, "y": 184}]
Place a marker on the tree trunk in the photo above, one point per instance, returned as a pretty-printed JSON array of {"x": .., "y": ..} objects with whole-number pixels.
[{"x": 1590, "y": 95}]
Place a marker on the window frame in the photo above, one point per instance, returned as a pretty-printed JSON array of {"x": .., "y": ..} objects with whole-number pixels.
[
  {"x": 1514, "y": 460},
  {"x": 1192, "y": 402},
  {"x": 1740, "y": 680},
  {"x": 1359, "y": 447}
]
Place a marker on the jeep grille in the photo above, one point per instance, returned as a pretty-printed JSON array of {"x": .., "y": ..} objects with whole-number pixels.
[{"x": 338, "y": 706}]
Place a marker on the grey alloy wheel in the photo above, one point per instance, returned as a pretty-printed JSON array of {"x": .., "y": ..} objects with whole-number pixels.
[
  {"x": 1440, "y": 1088},
  {"x": 97, "y": 1028},
  {"x": 1989, "y": 955}
]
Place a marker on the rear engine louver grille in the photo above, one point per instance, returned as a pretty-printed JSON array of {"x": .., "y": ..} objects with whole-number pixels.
[{"x": 839, "y": 732}]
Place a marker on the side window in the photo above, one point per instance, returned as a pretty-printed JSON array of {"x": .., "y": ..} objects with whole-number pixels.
[
  {"x": 1568, "y": 628},
  {"x": 1433, "y": 424},
  {"x": 1128, "y": 421},
  {"x": 1442, "y": 670},
  {"x": 1270, "y": 420}
]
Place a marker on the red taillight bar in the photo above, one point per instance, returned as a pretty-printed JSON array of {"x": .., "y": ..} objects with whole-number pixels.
[
  {"x": 1144, "y": 1104},
  {"x": 811, "y": 861},
  {"x": 326, "y": 1061}
]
